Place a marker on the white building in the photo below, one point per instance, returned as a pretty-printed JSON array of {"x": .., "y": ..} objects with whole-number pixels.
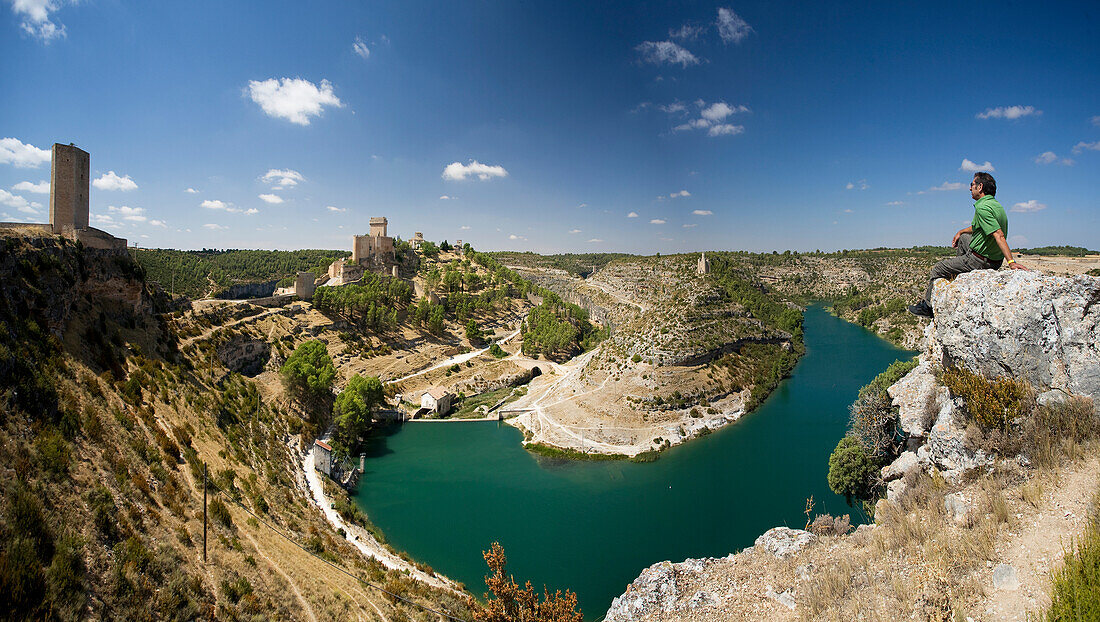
[{"x": 437, "y": 400}]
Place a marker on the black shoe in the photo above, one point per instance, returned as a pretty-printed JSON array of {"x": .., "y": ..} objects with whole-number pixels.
[{"x": 921, "y": 308}]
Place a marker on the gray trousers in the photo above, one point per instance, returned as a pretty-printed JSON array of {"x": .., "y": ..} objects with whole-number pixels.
[{"x": 964, "y": 261}]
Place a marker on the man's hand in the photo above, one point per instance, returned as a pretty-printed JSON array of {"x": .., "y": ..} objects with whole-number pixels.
[
  {"x": 1015, "y": 265},
  {"x": 955, "y": 240}
]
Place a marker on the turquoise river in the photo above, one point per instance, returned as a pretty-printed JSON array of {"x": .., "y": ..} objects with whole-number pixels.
[{"x": 444, "y": 491}]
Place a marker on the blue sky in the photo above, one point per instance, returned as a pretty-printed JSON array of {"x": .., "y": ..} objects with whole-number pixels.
[{"x": 556, "y": 127}]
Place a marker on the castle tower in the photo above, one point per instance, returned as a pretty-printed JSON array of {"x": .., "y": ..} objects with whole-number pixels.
[
  {"x": 378, "y": 226},
  {"x": 69, "y": 174},
  {"x": 704, "y": 265}
]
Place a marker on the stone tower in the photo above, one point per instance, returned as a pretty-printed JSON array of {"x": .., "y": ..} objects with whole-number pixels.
[
  {"x": 378, "y": 226},
  {"x": 704, "y": 265},
  {"x": 69, "y": 188}
]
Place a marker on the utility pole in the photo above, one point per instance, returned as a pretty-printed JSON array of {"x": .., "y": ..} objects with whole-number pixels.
[{"x": 204, "y": 512}]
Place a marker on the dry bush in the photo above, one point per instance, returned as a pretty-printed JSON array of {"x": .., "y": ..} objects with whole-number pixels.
[{"x": 992, "y": 403}]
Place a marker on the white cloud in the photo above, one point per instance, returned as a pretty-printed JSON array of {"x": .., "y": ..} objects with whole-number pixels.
[
  {"x": 271, "y": 198},
  {"x": 21, "y": 155},
  {"x": 582, "y": 205},
  {"x": 896, "y": 203},
  {"x": 861, "y": 184},
  {"x": 360, "y": 48},
  {"x": 283, "y": 178},
  {"x": 632, "y": 215},
  {"x": 595, "y": 240},
  {"x": 111, "y": 181},
  {"x": 711, "y": 119},
  {"x": 216, "y": 204},
  {"x": 675, "y": 107},
  {"x": 134, "y": 214},
  {"x": 104, "y": 219},
  {"x": 687, "y": 226},
  {"x": 687, "y": 32},
  {"x": 191, "y": 191},
  {"x": 214, "y": 227},
  {"x": 666, "y": 52},
  {"x": 725, "y": 129},
  {"x": 250, "y": 211},
  {"x": 1081, "y": 146},
  {"x": 1009, "y": 112},
  {"x": 36, "y": 18},
  {"x": 1028, "y": 206},
  {"x": 516, "y": 237},
  {"x": 333, "y": 208},
  {"x": 572, "y": 231},
  {"x": 42, "y": 187},
  {"x": 157, "y": 223},
  {"x": 657, "y": 221},
  {"x": 1096, "y": 120},
  {"x": 446, "y": 198},
  {"x": 682, "y": 193},
  {"x": 849, "y": 211},
  {"x": 945, "y": 187},
  {"x": 456, "y": 171},
  {"x": 702, "y": 212},
  {"x": 720, "y": 110},
  {"x": 465, "y": 227},
  {"x": 293, "y": 99},
  {"x": 731, "y": 28},
  {"x": 973, "y": 167},
  {"x": 18, "y": 202},
  {"x": 1049, "y": 157}
]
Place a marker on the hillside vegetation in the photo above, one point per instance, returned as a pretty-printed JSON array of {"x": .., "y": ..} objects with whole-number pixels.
[
  {"x": 196, "y": 274},
  {"x": 106, "y": 432}
]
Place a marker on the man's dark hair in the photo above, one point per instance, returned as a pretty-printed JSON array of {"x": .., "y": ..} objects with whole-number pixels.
[{"x": 989, "y": 186}]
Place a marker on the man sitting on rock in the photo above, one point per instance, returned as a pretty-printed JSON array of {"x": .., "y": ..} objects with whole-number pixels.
[{"x": 981, "y": 246}]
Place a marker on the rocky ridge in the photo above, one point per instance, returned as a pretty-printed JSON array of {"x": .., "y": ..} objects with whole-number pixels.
[{"x": 1038, "y": 328}]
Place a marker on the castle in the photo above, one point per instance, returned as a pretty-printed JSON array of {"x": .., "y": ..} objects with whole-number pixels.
[
  {"x": 374, "y": 251},
  {"x": 69, "y": 180}
]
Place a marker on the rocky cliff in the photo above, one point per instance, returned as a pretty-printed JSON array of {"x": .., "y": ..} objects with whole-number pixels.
[{"x": 1024, "y": 325}]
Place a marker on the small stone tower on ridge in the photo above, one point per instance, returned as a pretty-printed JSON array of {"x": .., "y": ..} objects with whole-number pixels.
[
  {"x": 704, "y": 264},
  {"x": 69, "y": 188}
]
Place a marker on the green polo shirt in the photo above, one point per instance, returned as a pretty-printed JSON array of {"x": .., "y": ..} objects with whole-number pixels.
[{"x": 989, "y": 216}]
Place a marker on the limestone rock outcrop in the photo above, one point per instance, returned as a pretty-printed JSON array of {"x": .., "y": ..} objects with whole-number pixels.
[{"x": 1042, "y": 329}]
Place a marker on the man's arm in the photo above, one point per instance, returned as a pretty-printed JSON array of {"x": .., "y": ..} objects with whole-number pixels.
[
  {"x": 955, "y": 240},
  {"x": 999, "y": 238}
]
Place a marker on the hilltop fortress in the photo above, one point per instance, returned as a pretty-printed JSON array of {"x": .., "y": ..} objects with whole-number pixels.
[{"x": 70, "y": 169}]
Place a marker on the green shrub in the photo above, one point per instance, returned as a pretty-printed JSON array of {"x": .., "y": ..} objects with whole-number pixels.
[
  {"x": 637, "y": 358},
  {"x": 992, "y": 403},
  {"x": 309, "y": 372},
  {"x": 497, "y": 351},
  {"x": 892, "y": 374},
  {"x": 1076, "y": 590},
  {"x": 54, "y": 452},
  {"x": 220, "y": 512},
  {"x": 65, "y": 579},
  {"x": 353, "y": 410},
  {"x": 850, "y": 470}
]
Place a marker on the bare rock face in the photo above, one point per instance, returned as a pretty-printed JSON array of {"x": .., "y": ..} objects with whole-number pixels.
[
  {"x": 1042, "y": 329},
  {"x": 919, "y": 397},
  {"x": 784, "y": 541},
  {"x": 653, "y": 591}
]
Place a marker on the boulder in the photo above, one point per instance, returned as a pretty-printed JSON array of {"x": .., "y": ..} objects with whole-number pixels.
[
  {"x": 1004, "y": 578},
  {"x": 904, "y": 463},
  {"x": 1027, "y": 325},
  {"x": 946, "y": 446},
  {"x": 958, "y": 508},
  {"x": 918, "y": 396},
  {"x": 784, "y": 541},
  {"x": 654, "y": 590}
]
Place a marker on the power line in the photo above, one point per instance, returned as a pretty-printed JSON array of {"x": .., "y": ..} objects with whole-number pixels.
[{"x": 334, "y": 566}]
